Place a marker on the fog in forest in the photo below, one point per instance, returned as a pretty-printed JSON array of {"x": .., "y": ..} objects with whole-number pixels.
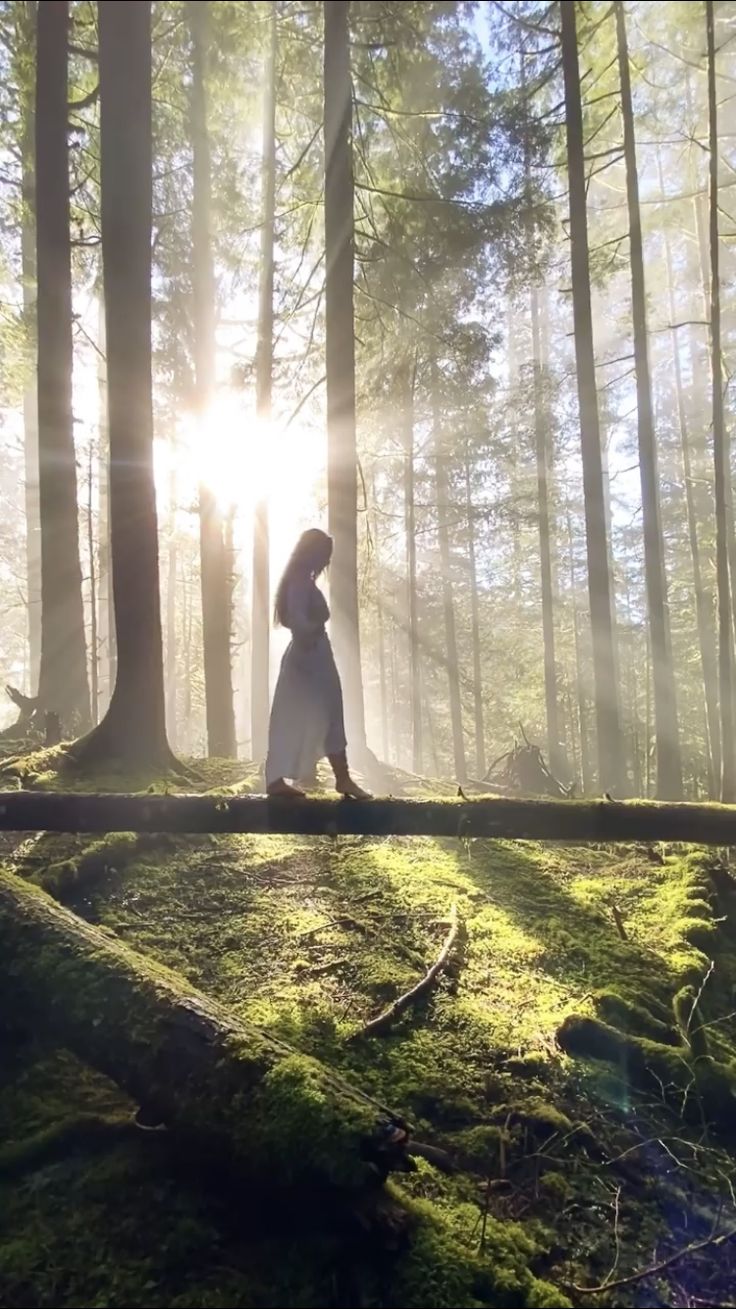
[{"x": 533, "y": 525}]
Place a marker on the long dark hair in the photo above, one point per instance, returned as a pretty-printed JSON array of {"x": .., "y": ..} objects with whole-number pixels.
[{"x": 310, "y": 555}]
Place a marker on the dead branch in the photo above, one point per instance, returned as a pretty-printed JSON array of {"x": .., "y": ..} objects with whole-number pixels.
[
  {"x": 377, "y": 1026},
  {"x": 710, "y": 1242}
]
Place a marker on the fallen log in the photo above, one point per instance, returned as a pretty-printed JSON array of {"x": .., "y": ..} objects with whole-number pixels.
[
  {"x": 231, "y": 1090},
  {"x": 534, "y": 820}
]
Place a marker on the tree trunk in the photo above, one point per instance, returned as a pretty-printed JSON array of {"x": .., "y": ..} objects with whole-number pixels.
[
  {"x": 545, "y": 548},
  {"x": 703, "y": 609},
  {"x": 246, "y": 1100},
  {"x": 106, "y": 616},
  {"x": 188, "y": 626},
  {"x": 342, "y": 480},
  {"x": 513, "y": 512},
  {"x": 430, "y": 723},
  {"x": 216, "y": 615},
  {"x": 669, "y": 764},
  {"x": 443, "y": 537},
  {"x": 610, "y": 742},
  {"x": 480, "y": 736},
  {"x": 585, "y": 760},
  {"x": 408, "y": 382},
  {"x": 395, "y": 710},
  {"x": 700, "y": 212},
  {"x": 170, "y": 679},
  {"x": 721, "y": 450},
  {"x": 62, "y": 684},
  {"x": 485, "y": 818},
  {"x": 261, "y": 590},
  {"x": 94, "y": 640},
  {"x": 134, "y": 727},
  {"x": 380, "y": 623},
  {"x": 632, "y": 690},
  {"x": 700, "y": 206},
  {"x": 26, "y": 44}
]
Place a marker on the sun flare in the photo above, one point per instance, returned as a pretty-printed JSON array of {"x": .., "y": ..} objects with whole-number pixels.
[{"x": 244, "y": 460}]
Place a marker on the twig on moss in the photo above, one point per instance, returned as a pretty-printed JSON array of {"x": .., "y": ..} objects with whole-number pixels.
[
  {"x": 619, "y": 921},
  {"x": 699, "y": 996},
  {"x": 708, "y": 1243},
  {"x": 616, "y": 1233},
  {"x": 377, "y": 1026}
]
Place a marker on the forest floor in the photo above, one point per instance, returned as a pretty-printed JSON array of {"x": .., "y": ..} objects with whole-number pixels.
[{"x": 571, "y": 1173}]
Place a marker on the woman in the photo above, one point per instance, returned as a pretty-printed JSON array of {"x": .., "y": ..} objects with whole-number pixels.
[{"x": 307, "y": 715}]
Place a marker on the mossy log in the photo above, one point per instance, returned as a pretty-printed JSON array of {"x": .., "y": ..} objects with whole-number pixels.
[
  {"x": 234, "y": 1091},
  {"x": 547, "y": 820},
  {"x": 701, "y": 1088}
]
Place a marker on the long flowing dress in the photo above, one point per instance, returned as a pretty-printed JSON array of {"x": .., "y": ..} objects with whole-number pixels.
[{"x": 307, "y": 720}]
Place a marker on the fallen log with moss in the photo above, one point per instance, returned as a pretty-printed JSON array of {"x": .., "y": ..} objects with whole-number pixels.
[
  {"x": 700, "y": 1088},
  {"x": 238, "y": 1094},
  {"x": 535, "y": 820}
]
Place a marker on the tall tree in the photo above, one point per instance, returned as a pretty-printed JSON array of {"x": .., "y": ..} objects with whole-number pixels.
[
  {"x": 107, "y": 617},
  {"x": 380, "y": 624},
  {"x": 448, "y": 603},
  {"x": 703, "y": 601},
  {"x": 408, "y": 382},
  {"x": 172, "y": 570},
  {"x": 342, "y": 460},
  {"x": 25, "y": 47},
  {"x": 215, "y": 565},
  {"x": 62, "y": 679},
  {"x": 134, "y": 727},
  {"x": 669, "y": 765},
  {"x": 261, "y": 592},
  {"x": 721, "y": 444},
  {"x": 545, "y": 544},
  {"x": 610, "y": 741},
  {"x": 480, "y": 743}
]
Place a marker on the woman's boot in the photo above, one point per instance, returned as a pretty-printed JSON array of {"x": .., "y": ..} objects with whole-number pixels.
[
  {"x": 343, "y": 781},
  {"x": 282, "y": 788}
]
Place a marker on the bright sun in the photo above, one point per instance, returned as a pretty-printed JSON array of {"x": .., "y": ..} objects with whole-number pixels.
[
  {"x": 240, "y": 458},
  {"x": 244, "y": 460},
  {"x": 229, "y": 451}
]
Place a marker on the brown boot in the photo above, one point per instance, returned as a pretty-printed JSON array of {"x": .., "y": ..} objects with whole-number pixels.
[
  {"x": 344, "y": 783},
  {"x": 283, "y": 789}
]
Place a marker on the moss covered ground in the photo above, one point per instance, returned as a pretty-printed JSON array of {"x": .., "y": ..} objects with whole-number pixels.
[{"x": 578, "y": 1161}]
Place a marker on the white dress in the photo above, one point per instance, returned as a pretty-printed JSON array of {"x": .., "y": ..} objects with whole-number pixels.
[{"x": 307, "y": 719}]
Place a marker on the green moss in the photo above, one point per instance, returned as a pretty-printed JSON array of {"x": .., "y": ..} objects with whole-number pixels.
[
  {"x": 480, "y": 1148},
  {"x": 527, "y": 1066},
  {"x": 634, "y": 1018},
  {"x": 78, "y": 1132},
  {"x": 698, "y": 1087},
  {"x": 543, "y": 1119},
  {"x": 556, "y": 1188},
  {"x": 444, "y": 1265},
  {"x": 296, "y": 1129},
  {"x": 304, "y": 939},
  {"x": 109, "y": 854}
]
